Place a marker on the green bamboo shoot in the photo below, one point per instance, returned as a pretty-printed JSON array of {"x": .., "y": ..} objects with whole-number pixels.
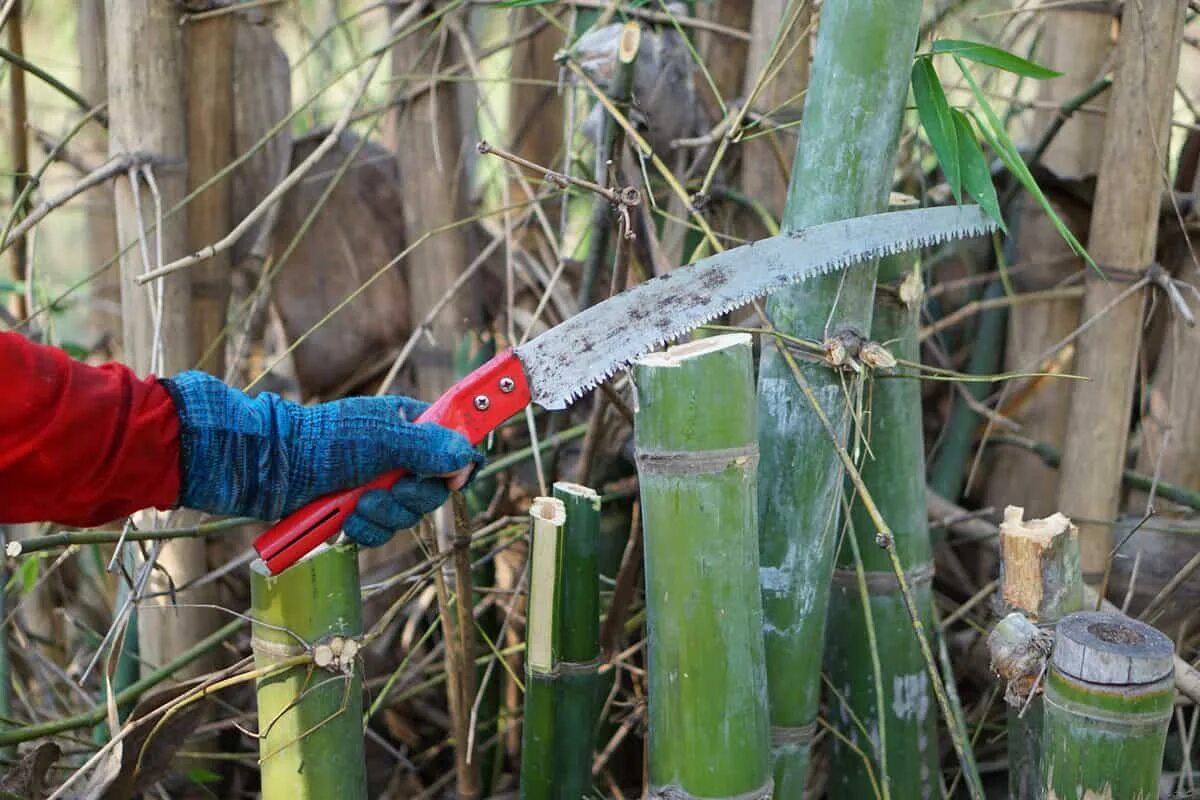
[
  {"x": 1108, "y": 701},
  {"x": 903, "y": 728},
  {"x": 310, "y": 714},
  {"x": 697, "y": 459},
  {"x": 843, "y": 168}
]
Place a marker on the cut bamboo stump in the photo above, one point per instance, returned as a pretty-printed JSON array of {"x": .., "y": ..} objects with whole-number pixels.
[
  {"x": 697, "y": 459},
  {"x": 1041, "y": 579},
  {"x": 579, "y": 625},
  {"x": 1108, "y": 701},
  {"x": 310, "y": 716},
  {"x": 903, "y": 727}
]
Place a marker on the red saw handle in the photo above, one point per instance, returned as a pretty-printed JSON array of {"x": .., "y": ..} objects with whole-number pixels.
[{"x": 475, "y": 406}]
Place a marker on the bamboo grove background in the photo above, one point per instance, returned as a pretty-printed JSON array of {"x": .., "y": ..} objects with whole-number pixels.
[{"x": 360, "y": 240}]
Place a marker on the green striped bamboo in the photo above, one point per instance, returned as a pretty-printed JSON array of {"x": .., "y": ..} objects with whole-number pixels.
[
  {"x": 843, "y": 168},
  {"x": 579, "y": 639},
  {"x": 903, "y": 729},
  {"x": 696, "y": 452},
  {"x": 1108, "y": 701},
  {"x": 542, "y": 649},
  {"x": 310, "y": 716}
]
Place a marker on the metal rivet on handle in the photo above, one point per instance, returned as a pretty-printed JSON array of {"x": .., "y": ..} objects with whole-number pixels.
[
  {"x": 482, "y": 402},
  {"x": 507, "y": 385}
]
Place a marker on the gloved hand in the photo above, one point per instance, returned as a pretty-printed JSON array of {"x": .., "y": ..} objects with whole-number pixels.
[{"x": 265, "y": 457}]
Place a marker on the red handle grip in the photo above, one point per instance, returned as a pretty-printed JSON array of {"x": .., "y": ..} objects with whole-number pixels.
[{"x": 475, "y": 406}]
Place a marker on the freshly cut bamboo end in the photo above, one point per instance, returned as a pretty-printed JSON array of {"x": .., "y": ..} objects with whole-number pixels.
[
  {"x": 549, "y": 509},
  {"x": 12, "y": 549},
  {"x": 631, "y": 38},
  {"x": 1040, "y": 565},
  {"x": 578, "y": 490},
  {"x": 677, "y": 355}
]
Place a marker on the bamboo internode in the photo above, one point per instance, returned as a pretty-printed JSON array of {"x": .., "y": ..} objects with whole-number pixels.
[
  {"x": 843, "y": 167},
  {"x": 1108, "y": 701},
  {"x": 310, "y": 715},
  {"x": 697, "y": 462}
]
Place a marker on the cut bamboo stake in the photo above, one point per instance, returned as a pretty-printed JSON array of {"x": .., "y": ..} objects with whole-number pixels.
[
  {"x": 1040, "y": 577},
  {"x": 579, "y": 640},
  {"x": 843, "y": 168},
  {"x": 1077, "y": 43},
  {"x": 310, "y": 716},
  {"x": 1122, "y": 240},
  {"x": 147, "y": 115},
  {"x": 542, "y": 650},
  {"x": 210, "y": 49},
  {"x": 427, "y": 137},
  {"x": 1109, "y": 697},
  {"x": 18, "y": 151},
  {"x": 697, "y": 458},
  {"x": 904, "y": 724},
  {"x": 105, "y": 309},
  {"x": 764, "y": 158}
]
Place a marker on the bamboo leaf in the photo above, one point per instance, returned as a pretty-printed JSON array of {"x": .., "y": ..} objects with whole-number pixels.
[
  {"x": 939, "y": 123},
  {"x": 975, "y": 173},
  {"x": 993, "y": 57},
  {"x": 1007, "y": 152}
]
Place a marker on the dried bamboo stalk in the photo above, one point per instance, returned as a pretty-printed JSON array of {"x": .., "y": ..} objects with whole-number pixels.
[{"x": 1123, "y": 234}]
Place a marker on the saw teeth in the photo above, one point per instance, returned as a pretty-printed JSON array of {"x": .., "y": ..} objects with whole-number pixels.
[{"x": 888, "y": 250}]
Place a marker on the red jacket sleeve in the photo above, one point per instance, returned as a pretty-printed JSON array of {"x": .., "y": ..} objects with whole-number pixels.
[{"x": 81, "y": 445}]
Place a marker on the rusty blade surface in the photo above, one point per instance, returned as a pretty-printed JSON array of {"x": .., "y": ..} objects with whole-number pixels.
[{"x": 569, "y": 359}]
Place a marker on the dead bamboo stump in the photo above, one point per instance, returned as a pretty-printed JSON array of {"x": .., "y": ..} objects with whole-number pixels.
[{"x": 1040, "y": 579}]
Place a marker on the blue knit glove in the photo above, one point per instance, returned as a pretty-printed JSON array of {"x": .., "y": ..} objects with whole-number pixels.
[{"x": 264, "y": 457}]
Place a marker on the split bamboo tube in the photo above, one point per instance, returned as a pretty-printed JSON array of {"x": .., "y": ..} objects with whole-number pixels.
[
  {"x": 697, "y": 460},
  {"x": 1108, "y": 700},
  {"x": 542, "y": 649},
  {"x": 310, "y": 716}
]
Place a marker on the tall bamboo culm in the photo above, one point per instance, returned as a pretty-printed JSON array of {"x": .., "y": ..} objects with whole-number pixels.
[
  {"x": 310, "y": 716},
  {"x": 1108, "y": 700},
  {"x": 843, "y": 168},
  {"x": 697, "y": 459},
  {"x": 903, "y": 728}
]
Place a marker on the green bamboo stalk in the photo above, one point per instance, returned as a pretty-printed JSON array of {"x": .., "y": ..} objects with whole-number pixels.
[
  {"x": 904, "y": 725},
  {"x": 697, "y": 458},
  {"x": 608, "y": 147},
  {"x": 543, "y": 650},
  {"x": 843, "y": 168},
  {"x": 1108, "y": 701},
  {"x": 310, "y": 717},
  {"x": 579, "y": 638}
]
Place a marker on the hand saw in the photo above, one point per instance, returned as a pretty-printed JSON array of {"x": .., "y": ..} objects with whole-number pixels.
[{"x": 561, "y": 364}]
